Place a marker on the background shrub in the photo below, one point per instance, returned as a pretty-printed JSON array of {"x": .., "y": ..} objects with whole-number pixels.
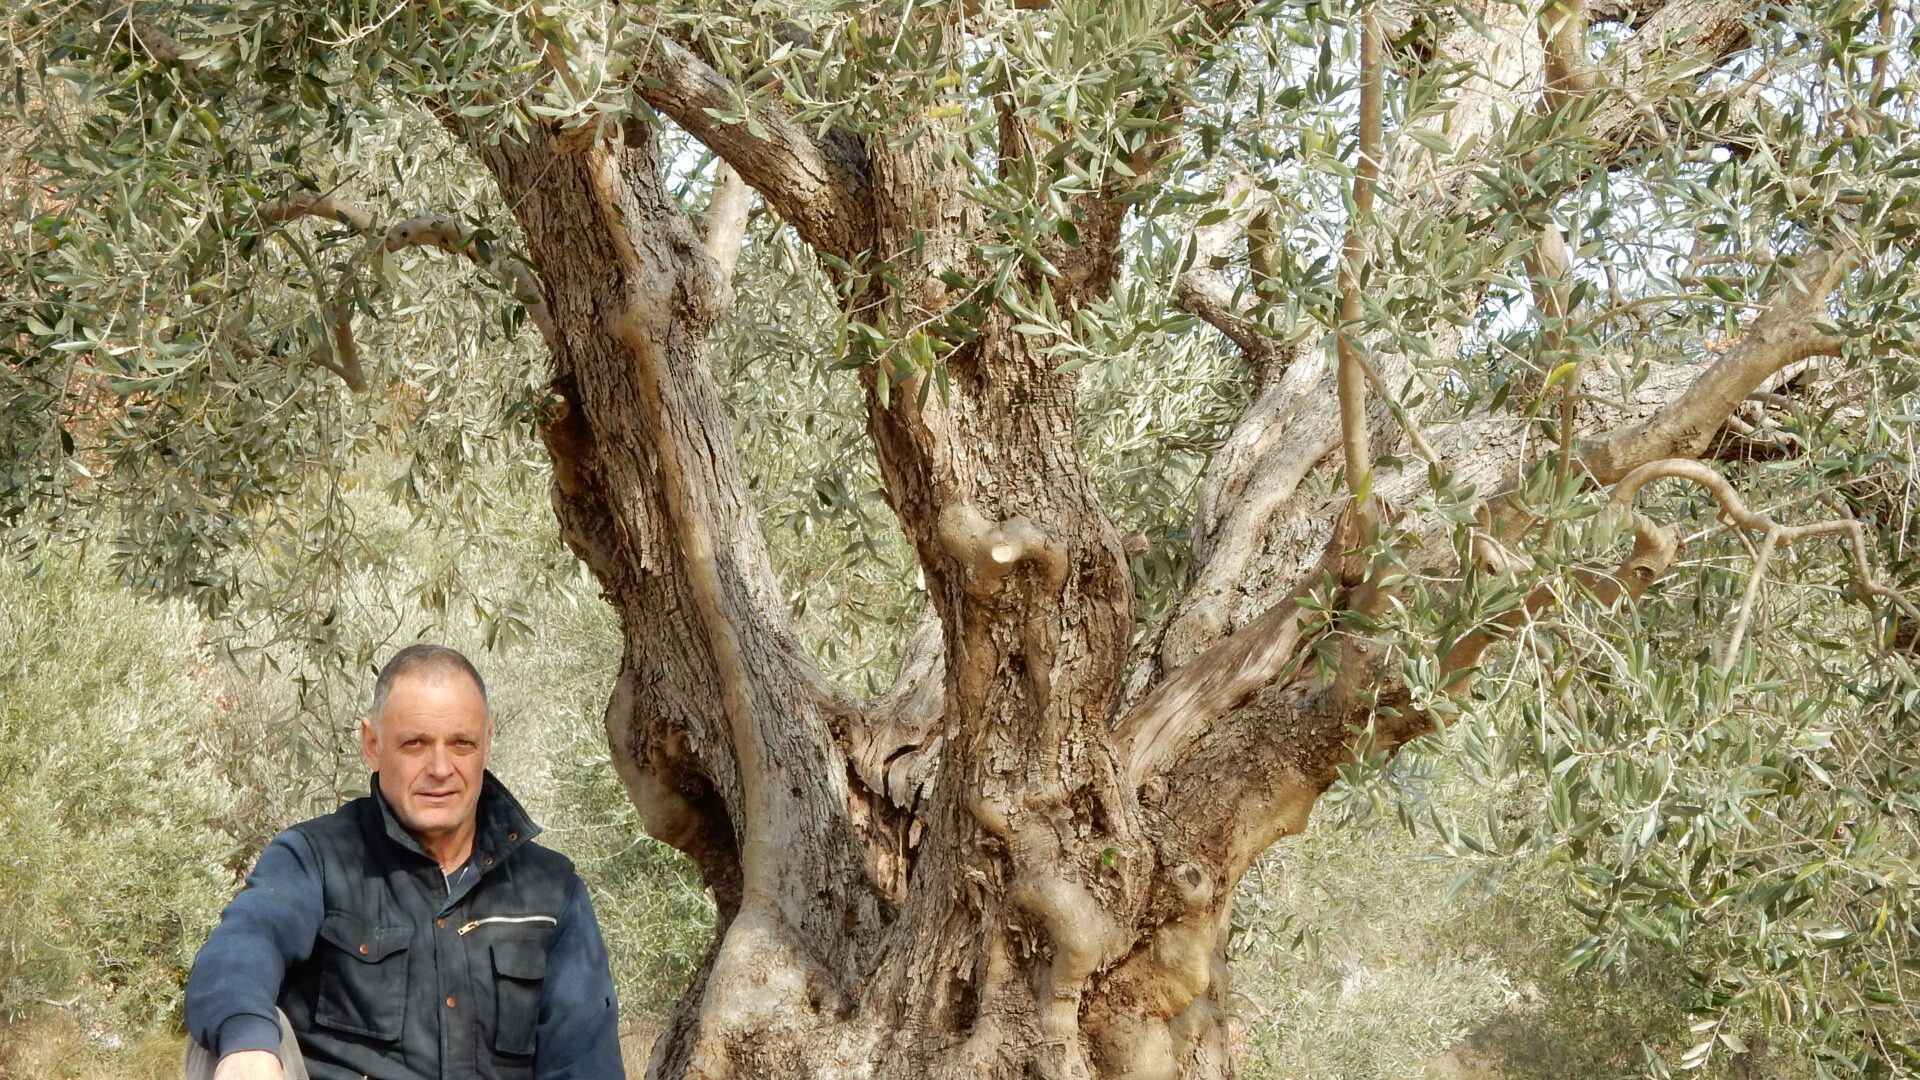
[{"x": 113, "y": 859}]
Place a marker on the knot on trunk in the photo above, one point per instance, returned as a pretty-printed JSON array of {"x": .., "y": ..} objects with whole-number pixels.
[
  {"x": 1152, "y": 1006},
  {"x": 1082, "y": 937},
  {"x": 988, "y": 551},
  {"x": 1192, "y": 884}
]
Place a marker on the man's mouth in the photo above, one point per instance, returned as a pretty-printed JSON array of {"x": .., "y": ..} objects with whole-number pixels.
[{"x": 437, "y": 796}]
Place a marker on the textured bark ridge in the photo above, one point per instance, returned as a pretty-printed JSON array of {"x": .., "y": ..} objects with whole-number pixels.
[{"x": 1018, "y": 861}]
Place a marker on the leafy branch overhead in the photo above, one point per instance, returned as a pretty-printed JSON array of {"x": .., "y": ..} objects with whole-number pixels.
[
  {"x": 341, "y": 355},
  {"x": 1038, "y": 451}
]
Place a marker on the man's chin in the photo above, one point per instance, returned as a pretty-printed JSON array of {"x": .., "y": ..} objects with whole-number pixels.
[{"x": 435, "y": 816}]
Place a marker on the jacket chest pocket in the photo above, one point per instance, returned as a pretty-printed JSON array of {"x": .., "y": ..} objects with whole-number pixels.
[
  {"x": 519, "y": 969},
  {"x": 363, "y": 977}
]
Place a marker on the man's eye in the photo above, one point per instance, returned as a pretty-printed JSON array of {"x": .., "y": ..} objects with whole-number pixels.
[{"x": 410, "y": 743}]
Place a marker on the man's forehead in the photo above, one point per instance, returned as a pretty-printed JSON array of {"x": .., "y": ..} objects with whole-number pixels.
[
  {"x": 413, "y": 729},
  {"x": 451, "y": 702},
  {"x": 437, "y": 676}
]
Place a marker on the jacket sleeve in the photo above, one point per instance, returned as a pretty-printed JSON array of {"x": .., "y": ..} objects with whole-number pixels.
[
  {"x": 578, "y": 1037},
  {"x": 270, "y": 925}
]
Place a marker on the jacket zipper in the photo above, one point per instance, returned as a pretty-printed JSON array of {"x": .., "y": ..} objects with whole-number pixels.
[{"x": 477, "y": 923}]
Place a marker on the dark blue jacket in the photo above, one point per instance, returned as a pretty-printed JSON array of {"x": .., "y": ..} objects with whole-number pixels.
[{"x": 350, "y": 928}]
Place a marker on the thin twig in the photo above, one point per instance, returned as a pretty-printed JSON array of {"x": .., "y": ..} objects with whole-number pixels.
[
  {"x": 1760, "y": 558},
  {"x": 1352, "y": 380},
  {"x": 1407, "y": 423}
]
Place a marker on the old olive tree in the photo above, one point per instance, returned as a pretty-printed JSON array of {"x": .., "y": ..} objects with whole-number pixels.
[{"x": 1512, "y": 297}]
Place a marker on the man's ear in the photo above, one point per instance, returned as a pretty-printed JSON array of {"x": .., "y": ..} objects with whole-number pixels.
[{"x": 369, "y": 745}]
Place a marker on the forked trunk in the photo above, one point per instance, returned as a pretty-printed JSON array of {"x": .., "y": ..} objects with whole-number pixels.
[{"x": 956, "y": 879}]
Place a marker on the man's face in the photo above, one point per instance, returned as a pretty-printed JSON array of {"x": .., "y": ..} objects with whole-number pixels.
[{"x": 430, "y": 748}]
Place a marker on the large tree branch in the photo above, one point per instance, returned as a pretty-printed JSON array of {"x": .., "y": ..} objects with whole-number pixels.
[
  {"x": 1734, "y": 512},
  {"x": 1673, "y": 52},
  {"x": 1785, "y": 332},
  {"x": 689, "y": 523},
  {"x": 726, "y": 226},
  {"x": 1226, "y": 675},
  {"x": 819, "y": 186},
  {"x": 1242, "y": 782},
  {"x": 726, "y": 733},
  {"x": 1251, "y": 510},
  {"x": 1204, "y": 294},
  {"x": 1563, "y": 31},
  {"x": 1320, "y": 719},
  {"x": 1211, "y": 679},
  {"x": 1253, "y": 777},
  {"x": 893, "y": 745}
]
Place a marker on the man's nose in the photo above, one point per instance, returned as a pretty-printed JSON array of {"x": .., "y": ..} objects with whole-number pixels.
[{"x": 440, "y": 761}]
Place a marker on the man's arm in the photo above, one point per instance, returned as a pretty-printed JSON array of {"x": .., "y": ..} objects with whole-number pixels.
[
  {"x": 579, "y": 1033},
  {"x": 236, "y": 976}
]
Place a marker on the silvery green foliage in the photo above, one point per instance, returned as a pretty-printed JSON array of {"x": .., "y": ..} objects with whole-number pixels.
[
  {"x": 164, "y": 395},
  {"x": 165, "y": 354},
  {"x": 113, "y": 791}
]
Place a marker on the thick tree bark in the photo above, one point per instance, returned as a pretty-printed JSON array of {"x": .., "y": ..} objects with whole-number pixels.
[
  {"x": 1012, "y": 916},
  {"x": 720, "y": 727},
  {"x": 1020, "y": 860}
]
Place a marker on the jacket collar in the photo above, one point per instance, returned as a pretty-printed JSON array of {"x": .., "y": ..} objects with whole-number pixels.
[{"x": 503, "y": 823}]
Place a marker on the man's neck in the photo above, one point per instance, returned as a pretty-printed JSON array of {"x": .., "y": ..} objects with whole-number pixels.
[{"x": 450, "y": 850}]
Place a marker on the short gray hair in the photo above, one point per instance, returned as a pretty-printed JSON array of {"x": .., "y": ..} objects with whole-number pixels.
[{"x": 424, "y": 659}]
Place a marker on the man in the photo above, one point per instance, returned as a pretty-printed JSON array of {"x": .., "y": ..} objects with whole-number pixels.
[{"x": 415, "y": 934}]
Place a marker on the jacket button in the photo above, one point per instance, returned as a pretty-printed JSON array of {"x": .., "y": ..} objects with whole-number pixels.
[
  {"x": 441, "y": 923},
  {"x": 488, "y": 861},
  {"x": 513, "y": 836},
  {"x": 364, "y": 950},
  {"x": 449, "y": 1001}
]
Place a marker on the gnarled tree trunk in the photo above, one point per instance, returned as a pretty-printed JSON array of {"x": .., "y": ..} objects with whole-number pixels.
[
  {"x": 1014, "y": 907},
  {"x": 1020, "y": 859}
]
